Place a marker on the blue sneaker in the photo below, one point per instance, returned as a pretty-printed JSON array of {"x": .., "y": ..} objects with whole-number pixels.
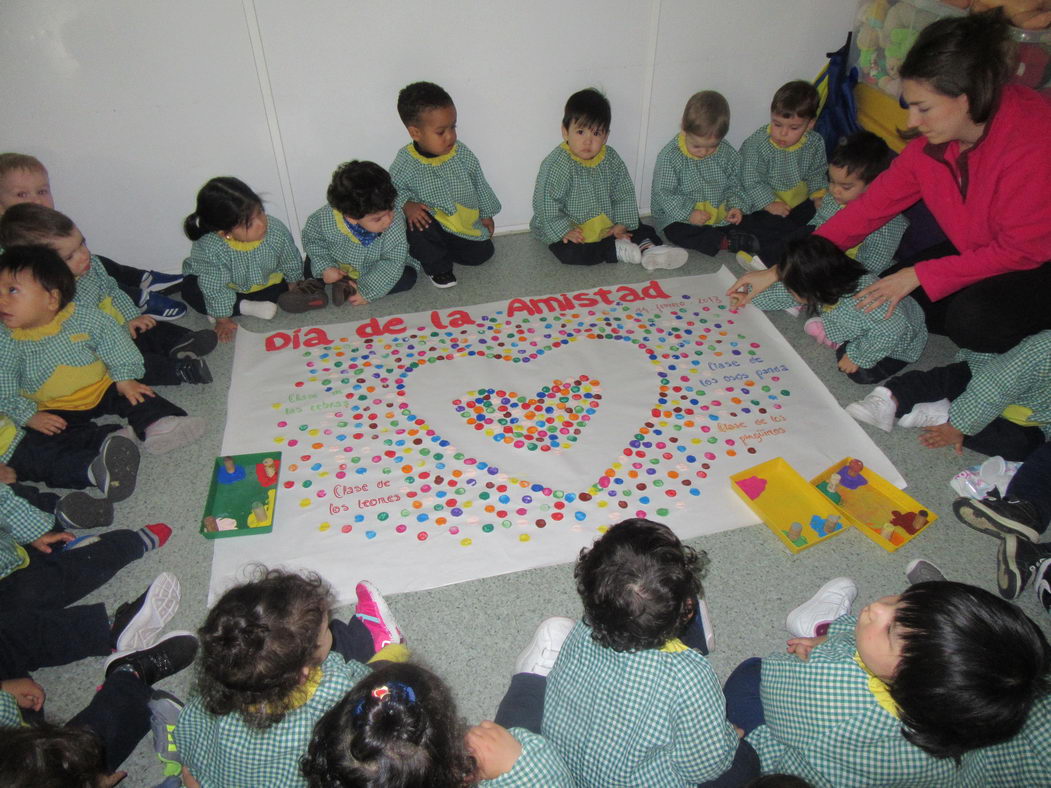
[
  {"x": 161, "y": 307},
  {"x": 160, "y": 282}
]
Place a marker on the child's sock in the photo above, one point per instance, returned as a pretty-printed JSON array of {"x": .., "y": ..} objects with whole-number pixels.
[
  {"x": 264, "y": 310},
  {"x": 154, "y": 536}
]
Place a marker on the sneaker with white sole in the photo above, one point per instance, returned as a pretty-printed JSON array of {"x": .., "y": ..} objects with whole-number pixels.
[
  {"x": 165, "y": 709},
  {"x": 136, "y": 624},
  {"x": 664, "y": 257},
  {"x": 372, "y": 611},
  {"x": 815, "y": 327},
  {"x": 920, "y": 570},
  {"x": 1016, "y": 564},
  {"x": 926, "y": 414},
  {"x": 998, "y": 517},
  {"x": 877, "y": 409},
  {"x": 160, "y": 281},
  {"x": 79, "y": 510},
  {"x": 832, "y": 600},
  {"x": 116, "y": 468},
  {"x": 195, "y": 343},
  {"x": 750, "y": 262},
  {"x": 627, "y": 251},
  {"x": 172, "y": 653},
  {"x": 540, "y": 655},
  {"x": 264, "y": 310},
  {"x": 172, "y": 432},
  {"x": 1043, "y": 584},
  {"x": 160, "y": 307},
  {"x": 443, "y": 279}
]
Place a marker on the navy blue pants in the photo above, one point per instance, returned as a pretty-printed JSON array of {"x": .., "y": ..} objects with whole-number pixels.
[
  {"x": 437, "y": 249},
  {"x": 60, "y": 460},
  {"x": 192, "y": 295},
  {"x": 1033, "y": 483},
  {"x": 113, "y": 403},
  {"x": 604, "y": 251}
]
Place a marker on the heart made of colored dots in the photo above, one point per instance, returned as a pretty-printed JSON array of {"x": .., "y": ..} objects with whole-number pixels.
[{"x": 552, "y": 418}]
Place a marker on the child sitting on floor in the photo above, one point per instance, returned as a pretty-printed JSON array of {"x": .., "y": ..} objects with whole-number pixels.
[
  {"x": 897, "y": 695},
  {"x": 629, "y": 702},
  {"x": 696, "y": 195},
  {"x": 870, "y": 346},
  {"x": 399, "y": 726},
  {"x": 449, "y": 206},
  {"x": 242, "y": 261},
  {"x": 992, "y": 404},
  {"x": 172, "y": 353},
  {"x": 272, "y": 663},
  {"x": 357, "y": 243},
  {"x": 23, "y": 179},
  {"x": 584, "y": 202},
  {"x": 67, "y": 363}
]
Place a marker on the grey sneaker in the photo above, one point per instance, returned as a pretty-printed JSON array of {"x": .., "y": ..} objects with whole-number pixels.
[
  {"x": 116, "y": 468},
  {"x": 1000, "y": 516},
  {"x": 1016, "y": 563},
  {"x": 80, "y": 510},
  {"x": 923, "y": 571},
  {"x": 165, "y": 709}
]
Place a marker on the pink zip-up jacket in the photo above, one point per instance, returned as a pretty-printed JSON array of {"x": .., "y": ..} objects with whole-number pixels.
[{"x": 993, "y": 201}]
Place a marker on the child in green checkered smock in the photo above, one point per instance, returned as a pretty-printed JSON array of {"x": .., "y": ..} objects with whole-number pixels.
[
  {"x": 696, "y": 195},
  {"x": 272, "y": 662},
  {"x": 356, "y": 243},
  {"x": 632, "y": 700},
  {"x": 401, "y": 721},
  {"x": 584, "y": 205},
  {"x": 449, "y": 205},
  {"x": 870, "y": 346},
  {"x": 894, "y": 696}
]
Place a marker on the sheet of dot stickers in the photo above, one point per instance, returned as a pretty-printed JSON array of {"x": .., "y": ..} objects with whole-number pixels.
[{"x": 439, "y": 447}]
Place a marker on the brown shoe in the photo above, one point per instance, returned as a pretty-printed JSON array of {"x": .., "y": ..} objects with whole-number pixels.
[
  {"x": 342, "y": 290},
  {"x": 303, "y": 296}
]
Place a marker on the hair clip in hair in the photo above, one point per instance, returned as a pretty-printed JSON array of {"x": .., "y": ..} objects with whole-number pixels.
[{"x": 394, "y": 688}]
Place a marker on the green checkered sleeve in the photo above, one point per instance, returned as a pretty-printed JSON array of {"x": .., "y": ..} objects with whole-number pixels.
[
  {"x": 538, "y": 765},
  {"x": 95, "y": 286},
  {"x": 680, "y": 182},
  {"x": 10, "y": 714},
  {"x": 323, "y": 242},
  {"x": 767, "y": 170},
  {"x": 775, "y": 297},
  {"x": 23, "y": 521},
  {"x": 876, "y": 252},
  {"x": 1023, "y": 760},
  {"x": 873, "y": 336},
  {"x": 222, "y": 752},
  {"x": 17, "y": 408},
  {"x": 1021, "y": 376}
]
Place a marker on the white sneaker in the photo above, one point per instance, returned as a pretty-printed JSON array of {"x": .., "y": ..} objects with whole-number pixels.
[
  {"x": 920, "y": 570},
  {"x": 264, "y": 310},
  {"x": 172, "y": 432},
  {"x": 540, "y": 655},
  {"x": 926, "y": 414},
  {"x": 149, "y": 613},
  {"x": 668, "y": 257},
  {"x": 794, "y": 310},
  {"x": 750, "y": 262},
  {"x": 627, "y": 252},
  {"x": 832, "y": 600},
  {"x": 876, "y": 409}
]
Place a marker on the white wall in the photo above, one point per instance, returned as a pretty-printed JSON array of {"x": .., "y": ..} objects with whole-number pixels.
[{"x": 133, "y": 104}]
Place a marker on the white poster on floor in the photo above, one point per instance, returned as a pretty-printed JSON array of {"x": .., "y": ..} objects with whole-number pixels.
[{"x": 439, "y": 447}]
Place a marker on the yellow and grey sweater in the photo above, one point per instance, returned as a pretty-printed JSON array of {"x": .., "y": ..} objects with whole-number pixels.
[
  {"x": 67, "y": 364},
  {"x": 452, "y": 186},
  {"x": 791, "y": 175},
  {"x": 329, "y": 243},
  {"x": 591, "y": 195},
  {"x": 683, "y": 183},
  {"x": 224, "y": 268},
  {"x": 98, "y": 289}
]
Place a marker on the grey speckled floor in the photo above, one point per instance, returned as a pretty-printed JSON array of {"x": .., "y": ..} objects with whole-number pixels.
[{"x": 472, "y": 632}]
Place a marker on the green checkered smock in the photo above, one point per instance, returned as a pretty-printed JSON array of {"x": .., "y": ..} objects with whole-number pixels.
[
  {"x": 570, "y": 193},
  {"x": 825, "y": 725},
  {"x": 223, "y": 752},
  {"x": 10, "y": 436},
  {"x": 770, "y": 173},
  {"x": 74, "y": 341},
  {"x": 223, "y": 271},
  {"x": 452, "y": 185},
  {"x": 10, "y": 714},
  {"x": 538, "y": 765},
  {"x": 1024, "y": 760},
  {"x": 376, "y": 267},
  {"x": 876, "y": 252},
  {"x": 683, "y": 183},
  {"x": 1021, "y": 376},
  {"x": 654, "y": 718},
  {"x": 870, "y": 336},
  {"x": 98, "y": 289},
  {"x": 20, "y": 523}
]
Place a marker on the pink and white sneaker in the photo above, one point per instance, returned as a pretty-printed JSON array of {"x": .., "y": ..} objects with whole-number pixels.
[
  {"x": 815, "y": 327},
  {"x": 373, "y": 612}
]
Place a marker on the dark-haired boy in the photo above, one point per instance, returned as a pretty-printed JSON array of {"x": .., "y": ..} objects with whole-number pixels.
[
  {"x": 628, "y": 701},
  {"x": 584, "y": 205},
  {"x": 449, "y": 206},
  {"x": 782, "y": 170},
  {"x": 357, "y": 242},
  {"x": 65, "y": 363}
]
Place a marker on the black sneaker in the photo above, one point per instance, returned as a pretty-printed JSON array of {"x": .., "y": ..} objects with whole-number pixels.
[
  {"x": 1043, "y": 584},
  {"x": 1016, "y": 562},
  {"x": 195, "y": 343},
  {"x": 740, "y": 241},
  {"x": 999, "y": 516},
  {"x": 172, "y": 653},
  {"x": 80, "y": 510},
  {"x": 443, "y": 279},
  {"x": 116, "y": 468},
  {"x": 193, "y": 370}
]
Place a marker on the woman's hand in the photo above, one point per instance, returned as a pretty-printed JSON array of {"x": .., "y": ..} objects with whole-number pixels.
[
  {"x": 750, "y": 285},
  {"x": 889, "y": 290}
]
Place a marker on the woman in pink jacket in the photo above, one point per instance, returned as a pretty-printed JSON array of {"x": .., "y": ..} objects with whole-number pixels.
[{"x": 981, "y": 161}]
